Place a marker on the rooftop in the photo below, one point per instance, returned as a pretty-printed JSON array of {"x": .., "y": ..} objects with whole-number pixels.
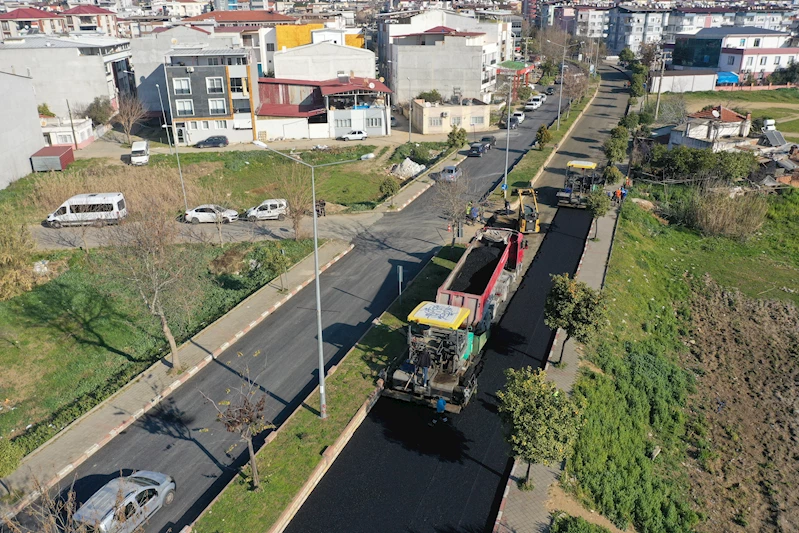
[
  {"x": 242, "y": 16},
  {"x": 717, "y": 33},
  {"x": 719, "y": 113},
  {"x": 444, "y": 30},
  {"x": 48, "y": 41},
  {"x": 28, "y": 13},
  {"x": 182, "y": 52},
  {"x": 87, "y": 10},
  {"x": 334, "y": 86}
]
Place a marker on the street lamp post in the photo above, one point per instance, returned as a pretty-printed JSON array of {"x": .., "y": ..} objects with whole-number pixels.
[
  {"x": 319, "y": 342},
  {"x": 562, "y": 72},
  {"x": 177, "y": 156},
  {"x": 410, "y": 110}
]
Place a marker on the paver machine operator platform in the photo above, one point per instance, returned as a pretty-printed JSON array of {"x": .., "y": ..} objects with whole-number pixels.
[{"x": 581, "y": 179}]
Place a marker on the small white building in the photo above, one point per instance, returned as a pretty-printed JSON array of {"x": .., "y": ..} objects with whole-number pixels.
[
  {"x": 472, "y": 114},
  {"x": 718, "y": 129},
  {"x": 58, "y": 131},
  {"x": 178, "y": 8},
  {"x": 324, "y": 61}
]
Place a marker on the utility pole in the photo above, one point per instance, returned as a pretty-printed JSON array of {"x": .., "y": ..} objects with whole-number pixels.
[
  {"x": 72, "y": 125},
  {"x": 562, "y": 72},
  {"x": 410, "y": 110},
  {"x": 174, "y": 134},
  {"x": 660, "y": 81}
]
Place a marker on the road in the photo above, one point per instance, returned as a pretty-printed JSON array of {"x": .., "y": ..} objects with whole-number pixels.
[{"x": 181, "y": 437}]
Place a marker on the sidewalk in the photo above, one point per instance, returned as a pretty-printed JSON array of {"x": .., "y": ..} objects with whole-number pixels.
[{"x": 71, "y": 447}]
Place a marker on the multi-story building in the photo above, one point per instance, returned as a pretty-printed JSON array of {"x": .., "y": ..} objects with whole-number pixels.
[
  {"x": 243, "y": 18},
  {"x": 323, "y": 61},
  {"x": 631, "y": 26},
  {"x": 745, "y": 51},
  {"x": 26, "y": 20},
  {"x": 89, "y": 18},
  {"x": 77, "y": 69},
  {"x": 179, "y": 8},
  {"x": 210, "y": 92},
  {"x": 689, "y": 19},
  {"x": 591, "y": 22},
  {"x": 21, "y": 134}
]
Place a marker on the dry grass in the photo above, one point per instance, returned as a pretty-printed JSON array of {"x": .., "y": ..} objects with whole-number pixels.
[{"x": 737, "y": 217}]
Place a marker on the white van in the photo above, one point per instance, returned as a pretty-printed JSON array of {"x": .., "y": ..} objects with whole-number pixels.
[
  {"x": 97, "y": 209},
  {"x": 140, "y": 153},
  {"x": 268, "y": 210}
]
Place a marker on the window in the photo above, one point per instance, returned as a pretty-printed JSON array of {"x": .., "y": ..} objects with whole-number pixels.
[
  {"x": 455, "y": 121},
  {"x": 185, "y": 108},
  {"x": 477, "y": 120},
  {"x": 182, "y": 85},
  {"x": 776, "y": 60},
  {"x": 205, "y": 124},
  {"x": 750, "y": 61},
  {"x": 121, "y": 205},
  {"x": 217, "y": 106},
  {"x": 61, "y": 211},
  {"x": 220, "y": 124},
  {"x": 435, "y": 121},
  {"x": 214, "y": 85},
  {"x": 214, "y": 61},
  {"x": 64, "y": 138},
  {"x": 757, "y": 43},
  {"x": 742, "y": 43},
  {"x": 145, "y": 496},
  {"x": 241, "y": 105},
  {"x": 374, "y": 122},
  {"x": 343, "y": 123},
  {"x": 193, "y": 126},
  {"x": 270, "y": 47},
  {"x": 93, "y": 208},
  {"x": 763, "y": 60},
  {"x": 237, "y": 85},
  {"x": 731, "y": 60}
]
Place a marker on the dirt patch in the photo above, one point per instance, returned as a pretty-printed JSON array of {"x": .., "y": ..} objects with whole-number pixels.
[
  {"x": 559, "y": 500},
  {"x": 585, "y": 363},
  {"x": 199, "y": 170},
  {"x": 745, "y": 463}
]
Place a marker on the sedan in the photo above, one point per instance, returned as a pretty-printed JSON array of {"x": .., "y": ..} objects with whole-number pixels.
[
  {"x": 519, "y": 116},
  {"x": 216, "y": 141},
  {"x": 210, "y": 213},
  {"x": 550, "y": 91},
  {"x": 354, "y": 135},
  {"x": 490, "y": 140}
]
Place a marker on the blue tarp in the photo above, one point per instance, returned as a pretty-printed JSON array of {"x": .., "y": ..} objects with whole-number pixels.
[{"x": 727, "y": 77}]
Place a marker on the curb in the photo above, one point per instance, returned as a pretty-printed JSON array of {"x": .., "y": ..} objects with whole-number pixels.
[
  {"x": 414, "y": 197},
  {"x": 91, "y": 450},
  {"x": 499, "y": 526}
]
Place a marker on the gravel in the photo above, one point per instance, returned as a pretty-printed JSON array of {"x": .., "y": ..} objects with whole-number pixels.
[{"x": 476, "y": 272}]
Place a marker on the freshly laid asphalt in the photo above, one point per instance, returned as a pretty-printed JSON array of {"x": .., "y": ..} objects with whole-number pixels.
[
  {"x": 400, "y": 474},
  {"x": 181, "y": 437}
]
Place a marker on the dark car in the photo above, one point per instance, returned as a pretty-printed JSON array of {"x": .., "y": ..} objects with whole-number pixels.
[
  {"x": 478, "y": 149},
  {"x": 217, "y": 141},
  {"x": 512, "y": 125},
  {"x": 490, "y": 140},
  {"x": 550, "y": 91}
]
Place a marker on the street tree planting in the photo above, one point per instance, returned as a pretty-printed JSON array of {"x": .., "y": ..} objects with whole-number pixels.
[{"x": 575, "y": 308}]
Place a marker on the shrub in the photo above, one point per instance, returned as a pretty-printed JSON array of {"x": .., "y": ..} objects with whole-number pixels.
[
  {"x": 524, "y": 93},
  {"x": 574, "y": 524},
  {"x": 646, "y": 118},
  {"x": 10, "y": 456},
  {"x": 457, "y": 137},
  {"x": 629, "y": 121},
  {"x": 612, "y": 175},
  {"x": 44, "y": 110},
  {"x": 739, "y": 217},
  {"x": 430, "y": 96},
  {"x": 389, "y": 186},
  {"x": 100, "y": 110}
]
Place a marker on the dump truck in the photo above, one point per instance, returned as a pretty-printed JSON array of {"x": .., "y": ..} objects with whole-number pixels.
[
  {"x": 580, "y": 180},
  {"x": 446, "y": 338}
]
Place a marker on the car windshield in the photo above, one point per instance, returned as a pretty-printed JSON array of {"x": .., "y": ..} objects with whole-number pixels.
[
  {"x": 219, "y": 208},
  {"x": 143, "y": 481},
  {"x": 137, "y": 152}
]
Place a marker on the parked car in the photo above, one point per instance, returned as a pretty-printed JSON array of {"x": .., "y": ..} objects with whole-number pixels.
[
  {"x": 140, "y": 153},
  {"x": 550, "y": 91},
  {"x": 354, "y": 135},
  {"x": 125, "y": 503},
  {"x": 97, "y": 209},
  {"x": 448, "y": 173},
  {"x": 210, "y": 213},
  {"x": 509, "y": 125},
  {"x": 478, "y": 149},
  {"x": 543, "y": 97},
  {"x": 532, "y": 105},
  {"x": 274, "y": 209},
  {"x": 490, "y": 140},
  {"x": 215, "y": 141},
  {"x": 519, "y": 115},
  {"x": 393, "y": 121}
]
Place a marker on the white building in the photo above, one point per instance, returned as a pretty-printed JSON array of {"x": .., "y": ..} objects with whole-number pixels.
[
  {"x": 689, "y": 20},
  {"x": 631, "y": 26},
  {"x": 91, "y": 19},
  {"x": 324, "y": 61},
  {"x": 30, "y": 20},
  {"x": 59, "y": 131},
  {"x": 21, "y": 134},
  {"x": 74, "y": 69},
  {"x": 179, "y": 8},
  {"x": 591, "y": 22},
  {"x": 718, "y": 129}
]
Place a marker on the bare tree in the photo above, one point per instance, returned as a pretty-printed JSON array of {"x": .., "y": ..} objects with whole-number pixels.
[
  {"x": 574, "y": 86},
  {"x": 295, "y": 186},
  {"x": 451, "y": 200},
  {"x": 551, "y": 41},
  {"x": 163, "y": 274},
  {"x": 51, "y": 513},
  {"x": 131, "y": 111},
  {"x": 244, "y": 414},
  {"x": 648, "y": 52}
]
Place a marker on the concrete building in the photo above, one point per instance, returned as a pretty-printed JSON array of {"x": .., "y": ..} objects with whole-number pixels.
[
  {"x": 286, "y": 36},
  {"x": 472, "y": 115},
  {"x": 27, "y": 20},
  {"x": 630, "y": 26},
  {"x": 179, "y": 8},
  {"x": 591, "y": 22},
  {"x": 74, "y": 69},
  {"x": 58, "y": 131},
  {"x": 243, "y": 18},
  {"x": 21, "y": 134},
  {"x": 718, "y": 129},
  {"x": 324, "y": 61},
  {"x": 754, "y": 52},
  {"x": 91, "y": 19},
  {"x": 300, "y": 109},
  {"x": 684, "y": 81},
  {"x": 211, "y": 93},
  {"x": 689, "y": 20}
]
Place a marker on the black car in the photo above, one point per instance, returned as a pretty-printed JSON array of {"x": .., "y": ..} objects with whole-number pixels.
[
  {"x": 512, "y": 125},
  {"x": 217, "y": 141},
  {"x": 490, "y": 140},
  {"x": 550, "y": 91},
  {"x": 478, "y": 149}
]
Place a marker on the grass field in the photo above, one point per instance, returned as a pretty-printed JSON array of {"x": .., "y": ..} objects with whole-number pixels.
[
  {"x": 288, "y": 460},
  {"x": 789, "y": 96},
  {"x": 70, "y": 343}
]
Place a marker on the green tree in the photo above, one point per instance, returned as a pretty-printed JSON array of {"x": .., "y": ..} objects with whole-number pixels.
[
  {"x": 100, "y": 110},
  {"x": 615, "y": 150},
  {"x": 541, "y": 421},
  {"x": 612, "y": 175},
  {"x": 620, "y": 132},
  {"x": 598, "y": 204},
  {"x": 524, "y": 93},
  {"x": 645, "y": 118},
  {"x": 389, "y": 187},
  {"x": 44, "y": 110},
  {"x": 549, "y": 69},
  {"x": 543, "y": 136},
  {"x": 429, "y": 96},
  {"x": 736, "y": 166},
  {"x": 457, "y": 137},
  {"x": 637, "y": 85},
  {"x": 629, "y": 121},
  {"x": 575, "y": 308},
  {"x": 626, "y": 56}
]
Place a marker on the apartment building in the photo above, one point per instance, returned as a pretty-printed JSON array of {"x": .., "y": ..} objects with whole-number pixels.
[
  {"x": 689, "y": 19},
  {"x": 210, "y": 92},
  {"x": 591, "y": 22},
  {"x": 179, "y": 8},
  {"x": 87, "y": 18},
  {"x": 21, "y": 134},
  {"x": 631, "y": 26},
  {"x": 26, "y": 20}
]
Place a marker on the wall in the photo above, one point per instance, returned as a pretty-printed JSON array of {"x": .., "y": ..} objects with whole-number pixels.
[
  {"x": 442, "y": 67},
  {"x": 21, "y": 134},
  {"x": 284, "y": 128},
  {"x": 59, "y": 74},
  {"x": 457, "y": 115},
  {"x": 685, "y": 84},
  {"x": 358, "y": 120},
  {"x": 291, "y": 35},
  {"x": 322, "y": 61}
]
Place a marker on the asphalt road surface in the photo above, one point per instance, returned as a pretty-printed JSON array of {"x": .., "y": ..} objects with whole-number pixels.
[{"x": 181, "y": 436}]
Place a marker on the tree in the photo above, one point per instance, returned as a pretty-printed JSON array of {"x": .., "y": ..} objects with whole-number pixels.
[
  {"x": 549, "y": 69},
  {"x": 389, "y": 187},
  {"x": 51, "y": 513},
  {"x": 244, "y": 414},
  {"x": 615, "y": 150},
  {"x": 543, "y": 136},
  {"x": 575, "y": 308},
  {"x": 131, "y": 112},
  {"x": 574, "y": 87},
  {"x": 541, "y": 421},
  {"x": 100, "y": 110},
  {"x": 457, "y": 137},
  {"x": 626, "y": 56},
  {"x": 648, "y": 52},
  {"x": 429, "y": 96},
  {"x": 612, "y": 175},
  {"x": 524, "y": 93},
  {"x": 637, "y": 86},
  {"x": 629, "y": 121},
  {"x": 450, "y": 201},
  {"x": 295, "y": 187},
  {"x": 44, "y": 110},
  {"x": 598, "y": 204}
]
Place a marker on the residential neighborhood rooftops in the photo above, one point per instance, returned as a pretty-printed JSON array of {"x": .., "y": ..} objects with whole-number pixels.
[
  {"x": 719, "y": 113},
  {"x": 28, "y": 13},
  {"x": 444, "y": 30},
  {"x": 87, "y": 10},
  {"x": 334, "y": 86},
  {"x": 243, "y": 16},
  {"x": 724, "y": 31},
  {"x": 48, "y": 41},
  {"x": 178, "y": 52}
]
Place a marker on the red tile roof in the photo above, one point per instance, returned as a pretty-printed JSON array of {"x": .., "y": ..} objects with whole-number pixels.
[
  {"x": 333, "y": 86},
  {"x": 162, "y": 29},
  {"x": 87, "y": 10},
  {"x": 724, "y": 114},
  {"x": 243, "y": 16},
  {"x": 28, "y": 13},
  {"x": 287, "y": 110}
]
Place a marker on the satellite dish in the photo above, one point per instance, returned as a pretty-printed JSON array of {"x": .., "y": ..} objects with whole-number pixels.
[
  {"x": 382, "y": 79},
  {"x": 716, "y": 114},
  {"x": 174, "y": 40},
  {"x": 371, "y": 85}
]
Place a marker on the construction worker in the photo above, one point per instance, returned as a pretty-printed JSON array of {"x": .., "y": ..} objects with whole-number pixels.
[
  {"x": 474, "y": 214},
  {"x": 617, "y": 196},
  {"x": 441, "y": 407},
  {"x": 623, "y": 193}
]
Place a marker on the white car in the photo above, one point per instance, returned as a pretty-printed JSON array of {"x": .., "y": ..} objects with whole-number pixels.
[
  {"x": 210, "y": 213},
  {"x": 543, "y": 97},
  {"x": 275, "y": 209},
  {"x": 354, "y": 135},
  {"x": 519, "y": 115},
  {"x": 532, "y": 105}
]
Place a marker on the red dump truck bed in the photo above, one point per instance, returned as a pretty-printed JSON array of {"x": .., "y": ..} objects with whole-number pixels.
[{"x": 474, "y": 280}]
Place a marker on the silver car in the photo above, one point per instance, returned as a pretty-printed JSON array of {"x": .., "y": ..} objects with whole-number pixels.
[
  {"x": 125, "y": 503},
  {"x": 210, "y": 213}
]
